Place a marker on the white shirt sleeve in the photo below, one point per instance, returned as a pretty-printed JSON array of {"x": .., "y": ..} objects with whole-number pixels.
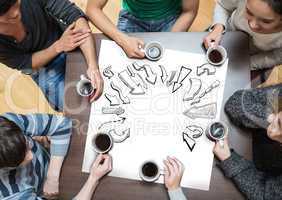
[
  {"x": 176, "y": 194},
  {"x": 223, "y": 10}
]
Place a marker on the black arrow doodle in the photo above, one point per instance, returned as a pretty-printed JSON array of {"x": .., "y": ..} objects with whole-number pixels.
[
  {"x": 190, "y": 142},
  {"x": 184, "y": 72}
]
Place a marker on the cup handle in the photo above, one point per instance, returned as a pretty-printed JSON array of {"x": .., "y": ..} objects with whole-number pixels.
[
  {"x": 162, "y": 172},
  {"x": 82, "y": 77},
  {"x": 212, "y": 44},
  {"x": 221, "y": 143}
]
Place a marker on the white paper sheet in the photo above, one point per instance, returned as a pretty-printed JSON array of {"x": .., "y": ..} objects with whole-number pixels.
[{"x": 156, "y": 119}]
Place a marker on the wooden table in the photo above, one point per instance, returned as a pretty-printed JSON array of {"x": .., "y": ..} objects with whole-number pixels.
[{"x": 116, "y": 188}]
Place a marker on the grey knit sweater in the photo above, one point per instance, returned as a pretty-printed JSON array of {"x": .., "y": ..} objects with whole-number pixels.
[{"x": 255, "y": 185}]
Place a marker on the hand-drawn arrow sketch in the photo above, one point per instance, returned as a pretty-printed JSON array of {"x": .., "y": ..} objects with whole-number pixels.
[
  {"x": 193, "y": 89},
  {"x": 211, "y": 70},
  {"x": 113, "y": 99},
  {"x": 119, "y": 121},
  {"x": 171, "y": 78},
  {"x": 190, "y": 142},
  {"x": 184, "y": 72},
  {"x": 214, "y": 85},
  {"x": 151, "y": 77},
  {"x": 164, "y": 75},
  {"x": 123, "y": 98},
  {"x": 207, "y": 111},
  {"x": 194, "y": 131},
  {"x": 135, "y": 89},
  {"x": 107, "y": 72},
  {"x": 137, "y": 78},
  {"x": 120, "y": 137},
  {"x": 113, "y": 111}
]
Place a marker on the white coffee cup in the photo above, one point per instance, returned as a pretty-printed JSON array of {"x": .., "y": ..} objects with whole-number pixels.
[
  {"x": 217, "y": 131},
  {"x": 153, "y": 51},
  {"x": 84, "y": 87},
  {"x": 102, "y": 143},
  {"x": 150, "y": 171},
  {"x": 216, "y": 55}
]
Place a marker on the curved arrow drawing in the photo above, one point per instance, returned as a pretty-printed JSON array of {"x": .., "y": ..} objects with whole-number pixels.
[
  {"x": 194, "y": 130},
  {"x": 113, "y": 99},
  {"x": 190, "y": 142},
  {"x": 120, "y": 137},
  {"x": 211, "y": 70},
  {"x": 214, "y": 85},
  {"x": 107, "y": 72},
  {"x": 121, "y": 120},
  {"x": 113, "y": 111},
  {"x": 135, "y": 88},
  {"x": 184, "y": 72},
  {"x": 151, "y": 77},
  {"x": 164, "y": 75},
  {"x": 124, "y": 99},
  {"x": 207, "y": 111},
  {"x": 194, "y": 88}
]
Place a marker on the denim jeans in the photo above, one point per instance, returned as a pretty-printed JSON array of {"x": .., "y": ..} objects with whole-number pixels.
[
  {"x": 130, "y": 24},
  {"x": 51, "y": 80}
]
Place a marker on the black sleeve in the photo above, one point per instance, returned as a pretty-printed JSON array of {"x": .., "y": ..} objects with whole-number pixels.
[
  {"x": 255, "y": 185},
  {"x": 19, "y": 61},
  {"x": 63, "y": 11}
]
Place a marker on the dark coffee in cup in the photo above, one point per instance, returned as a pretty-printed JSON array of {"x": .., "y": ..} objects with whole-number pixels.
[
  {"x": 215, "y": 56},
  {"x": 102, "y": 142},
  {"x": 150, "y": 169}
]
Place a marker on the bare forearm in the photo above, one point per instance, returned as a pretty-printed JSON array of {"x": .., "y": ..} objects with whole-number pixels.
[
  {"x": 43, "y": 57},
  {"x": 87, "y": 190},
  {"x": 184, "y": 22},
  {"x": 88, "y": 47},
  {"x": 102, "y": 22},
  {"x": 55, "y": 167}
]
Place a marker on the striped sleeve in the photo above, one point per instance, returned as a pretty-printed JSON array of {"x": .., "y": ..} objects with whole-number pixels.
[{"x": 58, "y": 128}]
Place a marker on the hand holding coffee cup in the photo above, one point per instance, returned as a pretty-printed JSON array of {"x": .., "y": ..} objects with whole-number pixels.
[
  {"x": 153, "y": 51},
  {"x": 84, "y": 87},
  {"x": 216, "y": 55},
  {"x": 216, "y": 132},
  {"x": 102, "y": 143},
  {"x": 222, "y": 153}
]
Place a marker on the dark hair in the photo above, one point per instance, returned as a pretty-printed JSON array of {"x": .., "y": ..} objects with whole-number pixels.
[
  {"x": 12, "y": 144},
  {"x": 5, "y": 5},
  {"x": 276, "y": 5}
]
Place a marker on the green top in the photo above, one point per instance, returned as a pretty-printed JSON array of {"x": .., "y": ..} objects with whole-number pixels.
[{"x": 152, "y": 9}]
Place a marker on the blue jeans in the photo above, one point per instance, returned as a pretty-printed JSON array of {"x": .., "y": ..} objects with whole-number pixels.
[
  {"x": 130, "y": 24},
  {"x": 51, "y": 80}
]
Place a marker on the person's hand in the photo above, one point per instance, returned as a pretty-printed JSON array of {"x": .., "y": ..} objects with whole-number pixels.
[
  {"x": 43, "y": 140},
  {"x": 97, "y": 82},
  {"x": 173, "y": 172},
  {"x": 214, "y": 36},
  {"x": 132, "y": 46},
  {"x": 51, "y": 188},
  {"x": 101, "y": 166},
  {"x": 274, "y": 130},
  {"x": 222, "y": 152},
  {"x": 72, "y": 38}
]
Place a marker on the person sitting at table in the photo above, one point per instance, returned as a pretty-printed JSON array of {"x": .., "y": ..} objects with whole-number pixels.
[
  {"x": 261, "y": 19},
  {"x": 27, "y": 171},
  {"x": 143, "y": 16},
  {"x": 34, "y": 36},
  {"x": 258, "y": 111}
]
